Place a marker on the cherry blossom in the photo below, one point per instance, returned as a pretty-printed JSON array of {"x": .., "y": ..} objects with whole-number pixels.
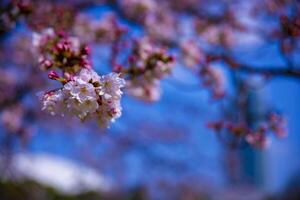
[
  {"x": 191, "y": 53},
  {"x": 148, "y": 65},
  {"x": 88, "y": 96}
]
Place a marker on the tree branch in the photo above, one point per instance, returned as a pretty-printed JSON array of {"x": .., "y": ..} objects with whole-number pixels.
[{"x": 271, "y": 71}]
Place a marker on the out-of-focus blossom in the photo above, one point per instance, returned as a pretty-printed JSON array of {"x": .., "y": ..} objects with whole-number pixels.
[
  {"x": 214, "y": 79},
  {"x": 11, "y": 12},
  {"x": 8, "y": 84},
  {"x": 217, "y": 34},
  {"x": 191, "y": 53},
  {"x": 138, "y": 9},
  {"x": 277, "y": 124},
  {"x": 162, "y": 26},
  {"x": 258, "y": 138},
  {"x": 148, "y": 64},
  {"x": 272, "y": 7},
  {"x": 59, "y": 15},
  {"x": 148, "y": 92},
  {"x": 12, "y": 118},
  {"x": 105, "y": 30},
  {"x": 88, "y": 96},
  {"x": 185, "y": 5},
  {"x": 41, "y": 39}
]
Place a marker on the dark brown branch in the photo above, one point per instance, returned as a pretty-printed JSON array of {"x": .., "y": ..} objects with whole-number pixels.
[
  {"x": 279, "y": 71},
  {"x": 271, "y": 71}
]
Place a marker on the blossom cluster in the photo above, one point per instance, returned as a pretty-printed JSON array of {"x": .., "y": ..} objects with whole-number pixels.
[
  {"x": 106, "y": 30},
  {"x": 87, "y": 96},
  {"x": 58, "y": 50},
  {"x": 210, "y": 74},
  {"x": 157, "y": 18},
  {"x": 256, "y": 137},
  {"x": 148, "y": 64},
  {"x": 162, "y": 26},
  {"x": 58, "y": 15},
  {"x": 84, "y": 93}
]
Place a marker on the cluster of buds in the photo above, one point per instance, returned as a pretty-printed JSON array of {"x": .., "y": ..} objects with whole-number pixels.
[
  {"x": 256, "y": 137},
  {"x": 148, "y": 64},
  {"x": 87, "y": 96},
  {"x": 214, "y": 79},
  {"x": 57, "y": 50},
  {"x": 106, "y": 30}
]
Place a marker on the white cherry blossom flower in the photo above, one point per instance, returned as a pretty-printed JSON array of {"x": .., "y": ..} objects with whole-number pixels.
[
  {"x": 89, "y": 76},
  {"x": 52, "y": 102},
  {"x": 88, "y": 96},
  {"x": 81, "y": 90},
  {"x": 111, "y": 85}
]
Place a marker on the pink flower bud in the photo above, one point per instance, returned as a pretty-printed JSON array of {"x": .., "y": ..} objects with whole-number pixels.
[
  {"x": 86, "y": 64},
  {"x": 117, "y": 68},
  {"x": 59, "y": 47},
  {"x": 86, "y": 50},
  {"x": 132, "y": 59},
  {"x": 53, "y": 75}
]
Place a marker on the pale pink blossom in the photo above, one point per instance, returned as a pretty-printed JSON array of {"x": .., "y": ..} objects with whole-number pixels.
[
  {"x": 53, "y": 102},
  {"x": 149, "y": 64},
  {"x": 258, "y": 140},
  {"x": 88, "y": 96},
  {"x": 12, "y": 118},
  {"x": 148, "y": 92},
  {"x": 214, "y": 79},
  {"x": 138, "y": 9},
  {"x": 191, "y": 53}
]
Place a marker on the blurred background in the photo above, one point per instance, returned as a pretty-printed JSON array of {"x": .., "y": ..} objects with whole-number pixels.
[{"x": 164, "y": 149}]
